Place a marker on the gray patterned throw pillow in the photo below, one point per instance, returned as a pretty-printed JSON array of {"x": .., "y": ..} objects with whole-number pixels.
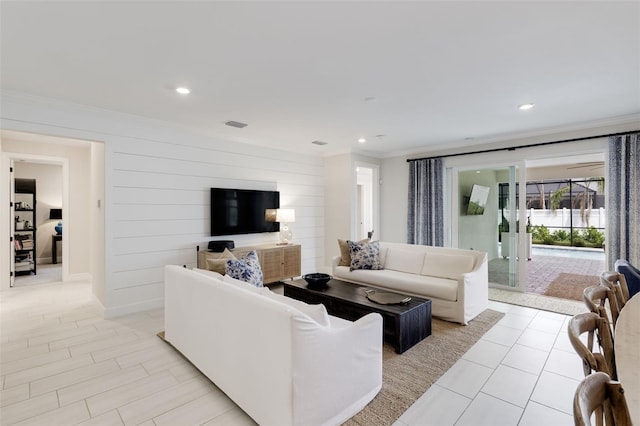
[
  {"x": 364, "y": 255},
  {"x": 245, "y": 269}
]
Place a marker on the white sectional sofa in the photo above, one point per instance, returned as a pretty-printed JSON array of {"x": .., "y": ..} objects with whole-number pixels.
[
  {"x": 456, "y": 280},
  {"x": 282, "y": 361}
]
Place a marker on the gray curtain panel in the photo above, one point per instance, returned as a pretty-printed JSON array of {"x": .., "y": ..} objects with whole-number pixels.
[
  {"x": 425, "y": 218},
  {"x": 623, "y": 192}
]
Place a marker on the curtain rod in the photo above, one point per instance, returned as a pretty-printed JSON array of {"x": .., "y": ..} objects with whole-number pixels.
[{"x": 513, "y": 148}]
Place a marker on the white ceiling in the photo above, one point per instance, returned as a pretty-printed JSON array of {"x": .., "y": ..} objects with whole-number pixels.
[{"x": 440, "y": 72}]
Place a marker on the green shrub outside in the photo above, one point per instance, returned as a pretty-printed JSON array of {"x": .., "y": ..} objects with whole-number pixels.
[
  {"x": 589, "y": 237},
  {"x": 540, "y": 233},
  {"x": 561, "y": 235},
  {"x": 593, "y": 236}
]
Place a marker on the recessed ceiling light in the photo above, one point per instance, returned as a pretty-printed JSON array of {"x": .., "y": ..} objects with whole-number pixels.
[
  {"x": 362, "y": 140},
  {"x": 183, "y": 90},
  {"x": 525, "y": 107}
]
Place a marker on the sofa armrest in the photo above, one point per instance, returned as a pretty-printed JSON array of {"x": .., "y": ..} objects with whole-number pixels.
[
  {"x": 473, "y": 290},
  {"x": 331, "y": 365}
]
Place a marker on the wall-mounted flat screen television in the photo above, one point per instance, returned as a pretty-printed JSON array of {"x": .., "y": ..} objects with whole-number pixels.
[
  {"x": 478, "y": 199},
  {"x": 242, "y": 211}
]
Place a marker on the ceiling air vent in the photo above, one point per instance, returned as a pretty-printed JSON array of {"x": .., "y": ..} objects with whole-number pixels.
[
  {"x": 237, "y": 124},
  {"x": 321, "y": 143}
]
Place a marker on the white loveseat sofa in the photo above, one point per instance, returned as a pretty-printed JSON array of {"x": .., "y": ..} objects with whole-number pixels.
[
  {"x": 267, "y": 353},
  {"x": 456, "y": 280}
]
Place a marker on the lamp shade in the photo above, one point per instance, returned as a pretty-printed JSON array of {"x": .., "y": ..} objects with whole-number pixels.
[
  {"x": 286, "y": 215},
  {"x": 55, "y": 214},
  {"x": 270, "y": 215}
]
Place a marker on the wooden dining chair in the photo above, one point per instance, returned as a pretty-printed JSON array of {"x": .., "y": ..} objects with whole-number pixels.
[
  {"x": 618, "y": 284},
  {"x": 597, "y": 298},
  {"x": 597, "y": 329},
  {"x": 598, "y": 394}
]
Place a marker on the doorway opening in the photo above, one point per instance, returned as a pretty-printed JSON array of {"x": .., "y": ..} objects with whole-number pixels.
[
  {"x": 367, "y": 206},
  {"x": 79, "y": 246},
  {"x": 37, "y": 212},
  {"x": 542, "y": 237},
  {"x": 563, "y": 237}
]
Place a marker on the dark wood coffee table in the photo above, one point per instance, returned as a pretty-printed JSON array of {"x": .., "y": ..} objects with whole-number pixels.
[{"x": 404, "y": 325}]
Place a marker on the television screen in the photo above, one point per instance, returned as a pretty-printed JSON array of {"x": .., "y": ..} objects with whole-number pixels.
[
  {"x": 478, "y": 199},
  {"x": 242, "y": 211}
]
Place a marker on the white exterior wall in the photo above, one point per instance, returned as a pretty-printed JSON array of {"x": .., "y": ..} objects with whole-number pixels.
[
  {"x": 562, "y": 218},
  {"x": 156, "y": 201}
]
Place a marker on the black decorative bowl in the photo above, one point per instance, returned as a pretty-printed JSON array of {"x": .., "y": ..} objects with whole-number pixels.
[{"x": 317, "y": 280}]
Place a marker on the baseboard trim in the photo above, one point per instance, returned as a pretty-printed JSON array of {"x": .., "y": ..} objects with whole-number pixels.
[
  {"x": 47, "y": 261},
  {"x": 133, "y": 308}
]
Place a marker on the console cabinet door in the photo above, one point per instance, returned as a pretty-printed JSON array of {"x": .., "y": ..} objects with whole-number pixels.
[
  {"x": 271, "y": 264},
  {"x": 291, "y": 261}
]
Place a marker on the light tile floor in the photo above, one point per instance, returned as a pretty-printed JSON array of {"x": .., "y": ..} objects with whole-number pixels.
[
  {"x": 62, "y": 364},
  {"x": 521, "y": 372}
]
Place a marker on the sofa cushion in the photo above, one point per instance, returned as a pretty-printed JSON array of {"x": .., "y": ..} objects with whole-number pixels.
[
  {"x": 383, "y": 255},
  {"x": 446, "y": 265},
  {"x": 218, "y": 262},
  {"x": 364, "y": 255},
  {"x": 246, "y": 269},
  {"x": 401, "y": 282},
  {"x": 404, "y": 260},
  {"x": 318, "y": 313}
]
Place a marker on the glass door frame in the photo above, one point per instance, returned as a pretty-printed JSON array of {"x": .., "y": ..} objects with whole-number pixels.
[{"x": 518, "y": 214}]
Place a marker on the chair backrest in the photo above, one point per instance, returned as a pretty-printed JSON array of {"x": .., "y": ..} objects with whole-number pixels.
[
  {"x": 597, "y": 297},
  {"x": 618, "y": 284},
  {"x": 595, "y": 326},
  {"x": 598, "y": 394},
  {"x": 631, "y": 274}
]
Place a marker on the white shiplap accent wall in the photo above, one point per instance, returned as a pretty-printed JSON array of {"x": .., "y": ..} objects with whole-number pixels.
[
  {"x": 157, "y": 192},
  {"x": 161, "y": 204}
]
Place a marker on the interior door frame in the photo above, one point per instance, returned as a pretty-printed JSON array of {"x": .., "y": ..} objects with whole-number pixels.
[
  {"x": 12, "y": 225},
  {"x": 375, "y": 198}
]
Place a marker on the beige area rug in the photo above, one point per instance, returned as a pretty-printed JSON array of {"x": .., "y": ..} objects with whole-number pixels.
[
  {"x": 537, "y": 301},
  {"x": 407, "y": 376},
  {"x": 571, "y": 286}
]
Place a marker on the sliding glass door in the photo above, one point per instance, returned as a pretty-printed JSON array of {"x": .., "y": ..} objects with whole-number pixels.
[{"x": 488, "y": 219}]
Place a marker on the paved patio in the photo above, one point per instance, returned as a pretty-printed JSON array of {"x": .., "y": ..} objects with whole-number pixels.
[{"x": 543, "y": 269}]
